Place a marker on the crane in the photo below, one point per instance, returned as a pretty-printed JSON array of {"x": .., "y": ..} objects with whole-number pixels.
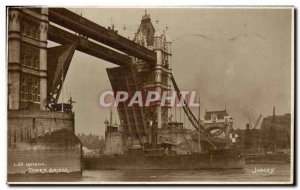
[{"x": 257, "y": 121}]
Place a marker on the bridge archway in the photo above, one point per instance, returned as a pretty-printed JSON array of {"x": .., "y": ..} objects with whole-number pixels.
[{"x": 217, "y": 131}]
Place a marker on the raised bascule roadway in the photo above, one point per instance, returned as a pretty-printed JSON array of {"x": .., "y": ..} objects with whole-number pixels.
[{"x": 121, "y": 50}]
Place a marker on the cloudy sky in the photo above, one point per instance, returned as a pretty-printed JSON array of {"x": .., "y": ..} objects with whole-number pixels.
[{"x": 238, "y": 58}]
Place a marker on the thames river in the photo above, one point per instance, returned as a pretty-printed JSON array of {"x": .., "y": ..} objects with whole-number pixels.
[
  {"x": 259, "y": 173},
  {"x": 251, "y": 173}
]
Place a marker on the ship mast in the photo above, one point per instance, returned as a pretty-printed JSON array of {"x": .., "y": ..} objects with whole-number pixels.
[
  {"x": 62, "y": 83},
  {"x": 110, "y": 117},
  {"x": 199, "y": 143}
]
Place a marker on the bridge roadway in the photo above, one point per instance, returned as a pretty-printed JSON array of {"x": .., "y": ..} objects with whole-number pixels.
[{"x": 87, "y": 46}]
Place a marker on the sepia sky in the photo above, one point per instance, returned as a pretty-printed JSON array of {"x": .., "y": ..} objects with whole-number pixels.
[{"x": 238, "y": 58}]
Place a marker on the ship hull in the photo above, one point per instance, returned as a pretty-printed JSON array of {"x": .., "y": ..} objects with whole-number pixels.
[{"x": 221, "y": 159}]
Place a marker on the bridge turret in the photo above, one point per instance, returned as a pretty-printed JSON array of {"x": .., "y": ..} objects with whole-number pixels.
[
  {"x": 157, "y": 47},
  {"x": 168, "y": 41},
  {"x": 14, "y": 54},
  {"x": 162, "y": 72},
  {"x": 157, "y": 37}
]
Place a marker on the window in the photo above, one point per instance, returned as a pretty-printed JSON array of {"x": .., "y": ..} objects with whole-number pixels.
[
  {"x": 29, "y": 56},
  {"x": 29, "y": 90},
  {"x": 214, "y": 117}
]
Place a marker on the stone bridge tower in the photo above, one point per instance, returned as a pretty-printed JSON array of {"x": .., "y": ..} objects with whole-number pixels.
[
  {"x": 158, "y": 40},
  {"x": 32, "y": 128},
  {"x": 141, "y": 123},
  {"x": 27, "y": 58}
]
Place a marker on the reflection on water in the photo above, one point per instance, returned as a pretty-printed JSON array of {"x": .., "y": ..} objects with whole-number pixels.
[{"x": 251, "y": 173}]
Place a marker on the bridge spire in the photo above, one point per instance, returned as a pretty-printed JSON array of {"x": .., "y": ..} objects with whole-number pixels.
[
  {"x": 146, "y": 16},
  {"x": 157, "y": 29}
]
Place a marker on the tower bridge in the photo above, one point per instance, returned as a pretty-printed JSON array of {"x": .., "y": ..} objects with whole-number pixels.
[{"x": 36, "y": 72}]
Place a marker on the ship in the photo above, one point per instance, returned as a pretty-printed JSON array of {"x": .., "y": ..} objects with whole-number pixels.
[
  {"x": 168, "y": 155},
  {"x": 159, "y": 160},
  {"x": 176, "y": 148}
]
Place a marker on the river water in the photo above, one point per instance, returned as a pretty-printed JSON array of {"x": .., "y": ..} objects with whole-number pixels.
[
  {"x": 251, "y": 173},
  {"x": 259, "y": 173}
]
